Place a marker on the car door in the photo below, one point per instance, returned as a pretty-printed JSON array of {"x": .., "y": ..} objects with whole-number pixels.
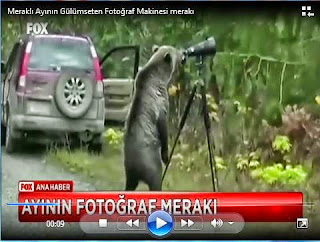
[
  {"x": 6, "y": 75},
  {"x": 119, "y": 68}
]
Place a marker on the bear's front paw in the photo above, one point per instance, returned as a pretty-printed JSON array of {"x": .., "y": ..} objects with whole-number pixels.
[{"x": 165, "y": 157}]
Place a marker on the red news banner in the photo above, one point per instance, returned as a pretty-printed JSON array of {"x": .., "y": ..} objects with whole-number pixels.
[{"x": 70, "y": 206}]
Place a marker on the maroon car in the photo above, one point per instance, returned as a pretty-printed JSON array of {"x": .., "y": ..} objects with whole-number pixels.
[{"x": 53, "y": 89}]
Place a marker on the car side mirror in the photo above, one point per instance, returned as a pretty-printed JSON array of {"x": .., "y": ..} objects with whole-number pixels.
[{"x": 3, "y": 67}]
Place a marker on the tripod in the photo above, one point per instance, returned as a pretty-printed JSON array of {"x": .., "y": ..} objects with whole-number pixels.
[{"x": 206, "y": 120}]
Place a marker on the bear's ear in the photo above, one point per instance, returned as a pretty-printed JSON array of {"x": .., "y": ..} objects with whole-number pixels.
[
  {"x": 167, "y": 57},
  {"x": 155, "y": 48}
]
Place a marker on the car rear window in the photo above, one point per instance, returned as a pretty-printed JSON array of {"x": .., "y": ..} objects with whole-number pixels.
[{"x": 53, "y": 53}]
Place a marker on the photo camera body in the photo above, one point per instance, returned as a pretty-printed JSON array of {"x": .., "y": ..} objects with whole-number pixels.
[{"x": 202, "y": 49}]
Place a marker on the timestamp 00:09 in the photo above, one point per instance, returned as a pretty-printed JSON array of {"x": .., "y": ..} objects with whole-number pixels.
[{"x": 55, "y": 224}]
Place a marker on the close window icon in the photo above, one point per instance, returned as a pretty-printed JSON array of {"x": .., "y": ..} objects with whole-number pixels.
[{"x": 302, "y": 223}]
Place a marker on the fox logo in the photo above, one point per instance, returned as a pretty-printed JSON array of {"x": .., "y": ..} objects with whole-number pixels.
[
  {"x": 26, "y": 186},
  {"x": 37, "y": 28}
]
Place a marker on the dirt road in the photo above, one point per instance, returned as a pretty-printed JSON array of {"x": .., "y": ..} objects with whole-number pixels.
[{"x": 30, "y": 165}]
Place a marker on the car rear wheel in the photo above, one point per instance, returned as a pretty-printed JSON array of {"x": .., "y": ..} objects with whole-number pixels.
[
  {"x": 74, "y": 94},
  {"x": 11, "y": 142}
]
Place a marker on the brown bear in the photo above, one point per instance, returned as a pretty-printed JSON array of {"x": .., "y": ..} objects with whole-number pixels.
[{"x": 146, "y": 139}]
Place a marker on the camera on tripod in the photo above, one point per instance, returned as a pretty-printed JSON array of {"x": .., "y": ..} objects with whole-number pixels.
[{"x": 202, "y": 49}]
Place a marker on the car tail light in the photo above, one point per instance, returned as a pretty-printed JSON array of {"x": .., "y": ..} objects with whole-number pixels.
[
  {"x": 96, "y": 65},
  {"x": 24, "y": 67},
  {"x": 97, "y": 71}
]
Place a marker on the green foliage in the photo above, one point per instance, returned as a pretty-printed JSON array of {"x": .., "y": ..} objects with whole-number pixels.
[
  {"x": 240, "y": 108},
  {"x": 213, "y": 108},
  {"x": 113, "y": 137},
  {"x": 220, "y": 164},
  {"x": 275, "y": 173},
  {"x": 251, "y": 161},
  {"x": 281, "y": 143},
  {"x": 278, "y": 174},
  {"x": 242, "y": 162}
]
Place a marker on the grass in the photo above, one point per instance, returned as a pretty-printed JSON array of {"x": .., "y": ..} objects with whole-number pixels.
[
  {"x": 188, "y": 171},
  {"x": 104, "y": 171}
]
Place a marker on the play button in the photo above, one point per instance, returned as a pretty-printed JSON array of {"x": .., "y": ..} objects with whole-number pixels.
[{"x": 160, "y": 224}]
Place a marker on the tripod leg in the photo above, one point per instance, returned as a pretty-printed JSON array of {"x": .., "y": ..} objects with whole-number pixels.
[
  {"x": 181, "y": 125},
  {"x": 208, "y": 131}
]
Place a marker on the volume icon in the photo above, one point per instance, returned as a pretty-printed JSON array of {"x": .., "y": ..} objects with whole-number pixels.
[{"x": 217, "y": 223}]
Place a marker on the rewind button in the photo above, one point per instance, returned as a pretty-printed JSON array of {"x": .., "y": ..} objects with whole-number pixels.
[{"x": 131, "y": 223}]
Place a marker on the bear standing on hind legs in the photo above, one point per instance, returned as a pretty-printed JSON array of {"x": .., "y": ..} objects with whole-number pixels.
[{"x": 146, "y": 139}]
